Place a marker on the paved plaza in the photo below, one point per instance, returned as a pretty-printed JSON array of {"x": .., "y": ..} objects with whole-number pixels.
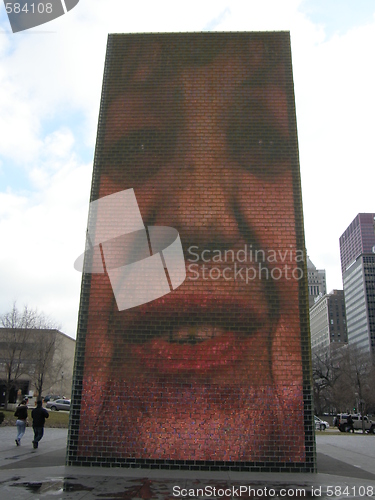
[{"x": 346, "y": 469}]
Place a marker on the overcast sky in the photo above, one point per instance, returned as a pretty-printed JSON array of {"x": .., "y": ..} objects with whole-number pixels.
[{"x": 50, "y": 85}]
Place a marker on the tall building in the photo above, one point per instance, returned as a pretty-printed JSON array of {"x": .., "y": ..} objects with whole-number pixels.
[
  {"x": 316, "y": 279},
  {"x": 358, "y": 239},
  {"x": 179, "y": 145},
  {"x": 328, "y": 322},
  {"x": 357, "y": 250}
]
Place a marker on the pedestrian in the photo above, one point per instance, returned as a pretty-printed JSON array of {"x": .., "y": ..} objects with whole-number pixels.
[
  {"x": 39, "y": 415},
  {"x": 349, "y": 421},
  {"x": 21, "y": 414}
]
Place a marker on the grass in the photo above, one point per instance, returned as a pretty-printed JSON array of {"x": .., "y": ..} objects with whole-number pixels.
[{"x": 57, "y": 419}]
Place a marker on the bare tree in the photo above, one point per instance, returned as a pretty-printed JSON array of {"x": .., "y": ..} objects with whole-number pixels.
[
  {"x": 358, "y": 377},
  {"x": 344, "y": 379},
  {"x": 18, "y": 352},
  {"x": 49, "y": 359},
  {"x": 14, "y": 342},
  {"x": 326, "y": 373}
]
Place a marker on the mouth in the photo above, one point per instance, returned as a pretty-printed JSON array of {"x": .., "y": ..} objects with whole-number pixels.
[
  {"x": 192, "y": 335},
  {"x": 197, "y": 334},
  {"x": 168, "y": 357}
]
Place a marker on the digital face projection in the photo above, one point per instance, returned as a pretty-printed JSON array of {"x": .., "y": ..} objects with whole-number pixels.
[{"x": 201, "y": 127}]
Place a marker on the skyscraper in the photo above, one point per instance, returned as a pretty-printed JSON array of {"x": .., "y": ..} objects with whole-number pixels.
[
  {"x": 357, "y": 250},
  {"x": 316, "y": 279},
  {"x": 358, "y": 239},
  {"x": 328, "y": 323}
]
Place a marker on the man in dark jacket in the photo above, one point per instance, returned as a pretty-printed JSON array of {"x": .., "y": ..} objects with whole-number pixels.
[
  {"x": 349, "y": 421},
  {"x": 39, "y": 415}
]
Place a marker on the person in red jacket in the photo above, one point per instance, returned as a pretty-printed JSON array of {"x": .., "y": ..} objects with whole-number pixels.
[{"x": 39, "y": 415}]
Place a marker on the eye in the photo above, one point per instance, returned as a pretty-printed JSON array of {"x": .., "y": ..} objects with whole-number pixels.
[
  {"x": 140, "y": 153},
  {"x": 259, "y": 147}
]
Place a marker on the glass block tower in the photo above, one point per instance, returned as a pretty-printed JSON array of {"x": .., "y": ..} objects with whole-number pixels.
[{"x": 357, "y": 251}]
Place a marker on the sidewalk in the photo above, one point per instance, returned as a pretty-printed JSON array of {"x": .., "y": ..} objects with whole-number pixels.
[{"x": 343, "y": 462}]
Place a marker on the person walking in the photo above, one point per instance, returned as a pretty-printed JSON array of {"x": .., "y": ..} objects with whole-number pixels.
[
  {"x": 21, "y": 414},
  {"x": 349, "y": 421},
  {"x": 39, "y": 415}
]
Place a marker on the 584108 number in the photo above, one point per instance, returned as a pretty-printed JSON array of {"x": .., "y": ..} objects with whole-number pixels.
[
  {"x": 32, "y": 8},
  {"x": 357, "y": 491}
]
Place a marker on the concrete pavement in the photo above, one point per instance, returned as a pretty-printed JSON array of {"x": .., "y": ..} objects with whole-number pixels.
[{"x": 346, "y": 469}]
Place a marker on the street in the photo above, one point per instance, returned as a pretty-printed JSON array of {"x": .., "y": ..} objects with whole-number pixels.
[{"x": 342, "y": 454}]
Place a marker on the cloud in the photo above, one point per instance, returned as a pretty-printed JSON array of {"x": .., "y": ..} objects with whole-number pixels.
[
  {"x": 55, "y": 154},
  {"x": 42, "y": 234},
  {"x": 49, "y": 104},
  {"x": 335, "y": 109}
]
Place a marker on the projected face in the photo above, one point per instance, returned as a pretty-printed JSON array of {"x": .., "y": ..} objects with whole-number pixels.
[{"x": 208, "y": 371}]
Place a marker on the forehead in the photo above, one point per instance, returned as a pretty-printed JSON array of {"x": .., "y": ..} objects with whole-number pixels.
[
  {"x": 164, "y": 78},
  {"x": 149, "y": 62}
]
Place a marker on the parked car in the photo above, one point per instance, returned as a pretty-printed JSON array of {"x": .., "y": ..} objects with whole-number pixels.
[
  {"x": 30, "y": 401},
  {"x": 51, "y": 397},
  {"x": 341, "y": 421},
  {"x": 320, "y": 425},
  {"x": 59, "y": 404}
]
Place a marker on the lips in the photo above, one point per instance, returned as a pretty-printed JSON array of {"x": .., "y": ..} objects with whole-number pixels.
[
  {"x": 196, "y": 334},
  {"x": 172, "y": 358}
]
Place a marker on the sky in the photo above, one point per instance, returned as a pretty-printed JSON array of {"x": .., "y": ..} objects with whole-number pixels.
[{"x": 50, "y": 87}]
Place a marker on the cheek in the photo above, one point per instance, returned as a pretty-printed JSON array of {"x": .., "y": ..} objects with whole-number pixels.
[
  {"x": 150, "y": 195},
  {"x": 268, "y": 208},
  {"x": 108, "y": 186}
]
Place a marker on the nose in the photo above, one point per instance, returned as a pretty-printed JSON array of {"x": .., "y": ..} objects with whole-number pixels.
[
  {"x": 202, "y": 189},
  {"x": 201, "y": 178}
]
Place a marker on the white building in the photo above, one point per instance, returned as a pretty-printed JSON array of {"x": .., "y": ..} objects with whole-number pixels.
[
  {"x": 316, "y": 279},
  {"x": 328, "y": 322}
]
